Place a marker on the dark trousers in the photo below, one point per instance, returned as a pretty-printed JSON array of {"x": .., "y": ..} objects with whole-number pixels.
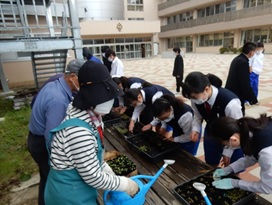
[
  {"x": 38, "y": 151},
  {"x": 178, "y": 83}
]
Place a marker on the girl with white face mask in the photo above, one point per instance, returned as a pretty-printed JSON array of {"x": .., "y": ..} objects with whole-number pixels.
[
  {"x": 254, "y": 137},
  {"x": 209, "y": 101},
  {"x": 176, "y": 119}
]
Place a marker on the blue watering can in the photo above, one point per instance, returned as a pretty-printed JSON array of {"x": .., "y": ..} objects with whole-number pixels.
[{"x": 122, "y": 198}]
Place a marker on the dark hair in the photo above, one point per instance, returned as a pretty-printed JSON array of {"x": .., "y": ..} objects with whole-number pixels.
[
  {"x": 86, "y": 53},
  {"x": 195, "y": 82},
  {"x": 224, "y": 127},
  {"x": 164, "y": 103},
  {"x": 104, "y": 48},
  {"x": 214, "y": 80},
  {"x": 131, "y": 95},
  {"x": 176, "y": 49},
  {"x": 109, "y": 52},
  {"x": 248, "y": 47},
  {"x": 117, "y": 80},
  {"x": 259, "y": 45}
]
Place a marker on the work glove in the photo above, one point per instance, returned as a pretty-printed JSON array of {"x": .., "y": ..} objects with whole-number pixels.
[
  {"x": 223, "y": 184},
  {"x": 132, "y": 188},
  {"x": 218, "y": 173}
]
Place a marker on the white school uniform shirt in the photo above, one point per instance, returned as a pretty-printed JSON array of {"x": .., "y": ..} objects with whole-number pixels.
[
  {"x": 233, "y": 110},
  {"x": 264, "y": 185},
  {"x": 256, "y": 62},
  {"x": 117, "y": 67},
  {"x": 139, "y": 108}
]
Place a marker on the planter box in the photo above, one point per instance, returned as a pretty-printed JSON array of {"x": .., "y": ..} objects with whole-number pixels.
[
  {"x": 152, "y": 146},
  {"x": 113, "y": 118},
  {"x": 120, "y": 164},
  {"x": 187, "y": 194},
  {"x": 122, "y": 129}
]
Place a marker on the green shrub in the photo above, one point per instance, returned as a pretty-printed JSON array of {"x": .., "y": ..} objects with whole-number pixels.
[
  {"x": 234, "y": 50},
  {"x": 222, "y": 50},
  {"x": 240, "y": 49}
]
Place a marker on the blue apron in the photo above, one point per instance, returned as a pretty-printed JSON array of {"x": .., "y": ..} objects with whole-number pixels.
[{"x": 66, "y": 186}]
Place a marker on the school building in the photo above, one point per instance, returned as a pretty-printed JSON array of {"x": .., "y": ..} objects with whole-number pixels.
[{"x": 32, "y": 33}]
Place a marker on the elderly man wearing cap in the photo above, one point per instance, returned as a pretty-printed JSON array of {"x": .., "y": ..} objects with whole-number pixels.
[
  {"x": 77, "y": 168},
  {"x": 48, "y": 110}
]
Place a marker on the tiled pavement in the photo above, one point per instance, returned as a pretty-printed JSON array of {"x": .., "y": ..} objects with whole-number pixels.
[{"x": 158, "y": 70}]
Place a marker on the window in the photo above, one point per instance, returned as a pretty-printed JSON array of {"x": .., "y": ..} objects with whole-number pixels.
[
  {"x": 231, "y": 6},
  {"x": 218, "y": 39},
  {"x": 210, "y": 11},
  {"x": 260, "y": 35},
  {"x": 219, "y": 9},
  {"x": 211, "y": 39},
  {"x": 135, "y": 5},
  {"x": 201, "y": 13}
]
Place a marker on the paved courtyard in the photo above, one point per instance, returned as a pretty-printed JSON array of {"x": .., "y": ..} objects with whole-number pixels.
[{"x": 158, "y": 70}]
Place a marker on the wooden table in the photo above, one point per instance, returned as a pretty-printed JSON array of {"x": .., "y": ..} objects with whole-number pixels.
[{"x": 185, "y": 168}]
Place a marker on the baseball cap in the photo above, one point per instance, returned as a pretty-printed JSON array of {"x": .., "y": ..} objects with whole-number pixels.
[{"x": 74, "y": 66}]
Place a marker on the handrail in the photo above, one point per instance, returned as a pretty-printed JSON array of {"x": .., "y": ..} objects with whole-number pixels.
[{"x": 224, "y": 17}]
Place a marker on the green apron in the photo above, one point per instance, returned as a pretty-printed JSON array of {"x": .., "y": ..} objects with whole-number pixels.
[{"x": 66, "y": 187}]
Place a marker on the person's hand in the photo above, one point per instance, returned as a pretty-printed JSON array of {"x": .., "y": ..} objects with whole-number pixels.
[
  {"x": 218, "y": 173},
  {"x": 132, "y": 188},
  {"x": 171, "y": 139},
  {"x": 168, "y": 134},
  {"x": 194, "y": 136},
  {"x": 123, "y": 110},
  {"x": 223, "y": 184},
  {"x": 225, "y": 161},
  {"x": 146, "y": 127},
  {"x": 131, "y": 126}
]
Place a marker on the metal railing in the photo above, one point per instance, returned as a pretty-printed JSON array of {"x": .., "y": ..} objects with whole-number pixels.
[
  {"x": 31, "y": 18},
  {"x": 170, "y": 3},
  {"x": 224, "y": 17}
]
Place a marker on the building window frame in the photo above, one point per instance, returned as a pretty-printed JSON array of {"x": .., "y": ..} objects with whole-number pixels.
[{"x": 135, "y": 5}]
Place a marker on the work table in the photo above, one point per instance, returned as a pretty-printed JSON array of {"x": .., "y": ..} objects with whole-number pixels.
[{"x": 185, "y": 168}]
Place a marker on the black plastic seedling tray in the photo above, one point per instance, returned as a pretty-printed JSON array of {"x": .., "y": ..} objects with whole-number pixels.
[
  {"x": 152, "y": 146},
  {"x": 122, "y": 129},
  {"x": 188, "y": 195},
  {"x": 113, "y": 118}
]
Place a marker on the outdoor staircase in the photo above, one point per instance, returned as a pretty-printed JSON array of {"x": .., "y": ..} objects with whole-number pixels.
[{"x": 47, "y": 64}]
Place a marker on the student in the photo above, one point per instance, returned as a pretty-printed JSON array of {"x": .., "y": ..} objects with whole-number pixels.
[
  {"x": 176, "y": 119},
  {"x": 210, "y": 102},
  {"x": 178, "y": 68},
  {"x": 256, "y": 66},
  {"x": 117, "y": 67},
  {"x": 104, "y": 59},
  {"x": 87, "y": 54},
  {"x": 48, "y": 110},
  {"x": 238, "y": 77},
  {"x": 253, "y": 136},
  {"x": 124, "y": 84},
  {"x": 141, "y": 99},
  {"x": 77, "y": 168}
]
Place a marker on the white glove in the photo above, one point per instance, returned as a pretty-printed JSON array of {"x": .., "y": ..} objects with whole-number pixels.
[{"x": 132, "y": 188}]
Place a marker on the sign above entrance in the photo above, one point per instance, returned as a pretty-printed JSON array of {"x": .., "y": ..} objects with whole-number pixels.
[{"x": 119, "y": 27}]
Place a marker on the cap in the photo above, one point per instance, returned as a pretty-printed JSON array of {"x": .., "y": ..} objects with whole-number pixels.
[
  {"x": 96, "y": 86},
  {"x": 74, "y": 66}
]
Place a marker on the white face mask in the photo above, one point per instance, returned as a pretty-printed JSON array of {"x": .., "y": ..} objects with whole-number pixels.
[
  {"x": 198, "y": 101},
  {"x": 104, "y": 108},
  {"x": 259, "y": 52},
  {"x": 139, "y": 103},
  {"x": 110, "y": 59},
  {"x": 171, "y": 116}
]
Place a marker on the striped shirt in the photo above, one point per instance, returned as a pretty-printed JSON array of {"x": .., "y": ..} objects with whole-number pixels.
[{"x": 76, "y": 148}]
